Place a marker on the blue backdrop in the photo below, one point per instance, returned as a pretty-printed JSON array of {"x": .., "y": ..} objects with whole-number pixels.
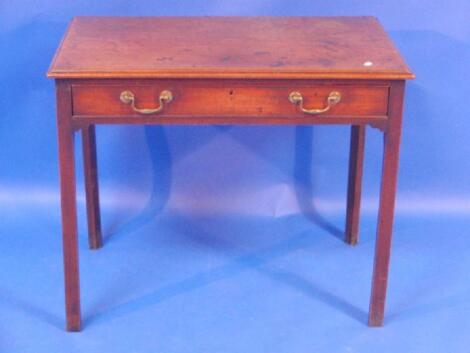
[{"x": 270, "y": 176}]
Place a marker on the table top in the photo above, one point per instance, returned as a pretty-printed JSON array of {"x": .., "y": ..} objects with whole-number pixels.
[{"x": 227, "y": 47}]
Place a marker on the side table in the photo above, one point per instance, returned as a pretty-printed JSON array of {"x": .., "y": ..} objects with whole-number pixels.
[{"x": 228, "y": 70}]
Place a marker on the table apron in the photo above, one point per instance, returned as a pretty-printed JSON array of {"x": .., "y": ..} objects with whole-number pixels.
[
  {"x": 221, "y": 102},
  {"x": 85, "y": 120}
]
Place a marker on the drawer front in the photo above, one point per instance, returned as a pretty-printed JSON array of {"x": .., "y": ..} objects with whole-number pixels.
[{"x": 212, "y": 99}]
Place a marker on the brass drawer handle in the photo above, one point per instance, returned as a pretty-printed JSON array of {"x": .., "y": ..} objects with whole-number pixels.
[
  {"x": 127, "y": 97},
  {"x": 333, "y": 99}
]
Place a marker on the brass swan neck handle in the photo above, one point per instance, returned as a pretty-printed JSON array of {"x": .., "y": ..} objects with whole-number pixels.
[
  {"x": 332, "y": 99},
  {"x": 127, "y": 97}
]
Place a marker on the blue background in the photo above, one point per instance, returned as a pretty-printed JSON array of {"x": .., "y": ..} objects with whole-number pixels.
[{"x": 244, "y": 257}]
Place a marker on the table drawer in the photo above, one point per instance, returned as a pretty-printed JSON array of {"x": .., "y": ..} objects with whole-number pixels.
[{"x": 229, "y": 98}]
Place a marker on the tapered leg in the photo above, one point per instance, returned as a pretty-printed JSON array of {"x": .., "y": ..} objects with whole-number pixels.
[
  {"x": 386, "y": 205},
  {"x": 356, "y": 159},
  {"x": 91, "y": 187},
  {"x": 68, "y": 206}
]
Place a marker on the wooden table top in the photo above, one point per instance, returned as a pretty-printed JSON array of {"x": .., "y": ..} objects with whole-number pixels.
[{"x": 227, "y": 47}]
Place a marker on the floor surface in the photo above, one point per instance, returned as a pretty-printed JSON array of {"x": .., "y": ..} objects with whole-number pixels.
[{"x": 226, "y": 283}]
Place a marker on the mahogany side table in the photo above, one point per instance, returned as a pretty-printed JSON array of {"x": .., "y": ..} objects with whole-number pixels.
[{"x": 228, "y": 70}]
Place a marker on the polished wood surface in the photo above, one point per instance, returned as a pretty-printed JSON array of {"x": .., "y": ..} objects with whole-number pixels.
[
  {"x": 228, "y": 71},
  {"x": 248, "y": 47},
  {"x": 356, "y": 161},
  {"x": 68, "y": 205},
  {"x": 222, "y": 98},
  {"x": 91, "y": 186},
  {"x": 388, "y": 190}
]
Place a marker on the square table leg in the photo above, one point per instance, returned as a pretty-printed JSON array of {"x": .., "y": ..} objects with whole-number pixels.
[
  {"x": 392, "y": 135},
  {"x": 356, "y": 160},
  {"x": 68, "y": 205},
  {"x": 91, "y": 187}
]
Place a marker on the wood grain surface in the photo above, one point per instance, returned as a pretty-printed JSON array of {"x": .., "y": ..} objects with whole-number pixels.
[
  {"x": 256, "y": 47},
  {"x": 198, "y": 98}
]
